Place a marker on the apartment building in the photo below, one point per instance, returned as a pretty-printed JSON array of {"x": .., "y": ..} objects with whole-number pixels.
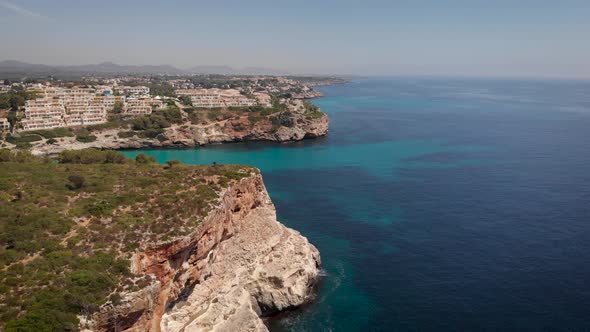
[
  {"x": 109, "y": 101},
  {"x": 181, "y": 84},
  {"x": 81, "y": 115},
  {"x": 210, "y": 98},
  {"x": 64, "y": 107},
  {"x": 142, "y": 106},
  {"x": 4, "y": 124},
  {"x": 43, "y": 108},
  {"x": 132, "y": 90},
  {"x": 263, "y": 99}
]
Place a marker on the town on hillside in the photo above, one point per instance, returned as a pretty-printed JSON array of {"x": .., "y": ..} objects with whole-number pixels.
[{"x": 30, "y": 106}]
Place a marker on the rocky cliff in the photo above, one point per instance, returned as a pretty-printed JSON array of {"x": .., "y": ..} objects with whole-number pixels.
[
  {"x": 290, "y": 126},
  {"x": 239, "y": 265}
]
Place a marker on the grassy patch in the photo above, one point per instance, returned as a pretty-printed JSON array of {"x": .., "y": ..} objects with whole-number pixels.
[
  {"x": 24, "y": 138},
  {"x": 53, "y": 133},
  {"x": 85, "y": 138}
]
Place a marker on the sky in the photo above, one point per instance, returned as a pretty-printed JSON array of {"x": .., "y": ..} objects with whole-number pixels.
[{"x": 522, "y": 38}]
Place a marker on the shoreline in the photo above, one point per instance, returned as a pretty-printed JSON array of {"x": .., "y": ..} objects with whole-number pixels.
[
  {"x": 296, "y": 127},
  {"x": 298, "y": 120},
  {"x": 193, "y": 136}
]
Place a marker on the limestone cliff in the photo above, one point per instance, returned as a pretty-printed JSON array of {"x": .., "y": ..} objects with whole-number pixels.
[
  {"x": 239, "y": 265},
  {"x": 291, "y": 126}
]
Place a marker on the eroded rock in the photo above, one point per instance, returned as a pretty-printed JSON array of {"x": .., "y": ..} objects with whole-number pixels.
[{"x": 239, "y": 265}]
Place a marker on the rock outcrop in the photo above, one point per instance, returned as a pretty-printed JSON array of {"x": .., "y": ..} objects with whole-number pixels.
[
  {"x": 239, "y": 265},
  {"x": 293, "y": 127}
]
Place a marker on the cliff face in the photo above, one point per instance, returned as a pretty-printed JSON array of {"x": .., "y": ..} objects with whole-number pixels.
[
  {"x": 239, "y": 265},
  {"x": 293, "y": 127}
]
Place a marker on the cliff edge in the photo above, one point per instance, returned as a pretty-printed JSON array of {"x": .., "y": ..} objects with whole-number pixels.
[
  {"x": 202, "y": 128},
  {"x": 238, "y": 266},
  {"x": 99, "y": 242}
]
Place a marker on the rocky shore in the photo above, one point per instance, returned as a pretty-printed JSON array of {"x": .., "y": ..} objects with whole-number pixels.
[
  {"x": 293, "y": 126},
  {"x": 237, "y": 267}
]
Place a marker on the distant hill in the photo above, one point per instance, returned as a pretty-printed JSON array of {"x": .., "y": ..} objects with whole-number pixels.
[
  {"x": 13, "y": 67},
  {"x": 227, "y": 70}
]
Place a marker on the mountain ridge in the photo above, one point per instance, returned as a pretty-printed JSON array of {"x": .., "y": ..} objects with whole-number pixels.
[{"x": 19, "y": 67}]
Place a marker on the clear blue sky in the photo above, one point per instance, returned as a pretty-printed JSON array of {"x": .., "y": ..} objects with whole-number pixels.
[{"x": 448, "y": 37}]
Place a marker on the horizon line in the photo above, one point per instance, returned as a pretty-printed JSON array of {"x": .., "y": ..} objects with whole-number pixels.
[{"x": 301, "y": 73}]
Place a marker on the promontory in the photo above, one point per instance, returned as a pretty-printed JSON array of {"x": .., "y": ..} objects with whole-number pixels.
[{"x": 94, "y": 241}]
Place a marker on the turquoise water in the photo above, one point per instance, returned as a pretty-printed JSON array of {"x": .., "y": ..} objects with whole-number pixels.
[{"x": 437, "y": 204}]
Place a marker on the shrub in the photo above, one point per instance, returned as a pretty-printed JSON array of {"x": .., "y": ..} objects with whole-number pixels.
[
  {"x": 171, "y": 114},
  {"x": 25, "y": 138},
  {"x": 100, "y": 207},
  {"x": 151, "y": 133},
  {"x": 115, "y": 298},
  {"x": 53, "y": 133},
  {"x": 7, "y": 155},
  {"x": 103, "y": 126},
  {"x": 157, "y": 120},
  {"x": 150, "y": 122},
  {"x": 77, "y": 182},
  {"x": 145, "y": 159},
  {"x": 51, "y": 141},
  {"x": 186, "y": 100},
  {"x": 24, "y": 146},
  {"x": 126, "y": 134},
  {"x": 214, "y": 113},
  {"x": 85, "y": 139},
  {"x": 171, "y": 163},
  {"x": 91, "y": 156}
]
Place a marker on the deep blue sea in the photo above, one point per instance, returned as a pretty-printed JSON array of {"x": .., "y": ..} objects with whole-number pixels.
[{"x": 438, "y": 204}]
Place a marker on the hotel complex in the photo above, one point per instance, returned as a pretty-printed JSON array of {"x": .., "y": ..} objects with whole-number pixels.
[
  {"x": 60, "y": 104},
  {"x": 210, "y": 98},
  {"x": 65, "y": 107},
  {"x": 57, "y": 107}
]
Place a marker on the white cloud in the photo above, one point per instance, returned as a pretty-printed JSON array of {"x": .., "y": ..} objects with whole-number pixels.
[{"x": 20, "y": 10}]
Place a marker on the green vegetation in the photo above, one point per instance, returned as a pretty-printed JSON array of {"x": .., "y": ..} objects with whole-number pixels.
[
  {"x": 157, "y": 87},
  {"x": 118, "y": 107},
  {"x": 215, "y": 114},
  {"x": 91, "y": 156},
  {"x": 126, "y": 134},
  {"x": 312, "y": 111},
  {"x": 86, "y": 139},
  {"x": 53, "y": 133},
  {"x": 83, "y": 135},
  {"x": 23, "y": 138},
  {"x": 253, "y": 114},
  {"x": 161, "y": 89},
  {"x": 145, "y": 159},
  {"x": 152, "y": 125},
  {"x": 186, "y": 100},
  {"x": 111, "y": 124},
  {"x": 68, "y": 228},
  {"x": 15, "y": 98}
]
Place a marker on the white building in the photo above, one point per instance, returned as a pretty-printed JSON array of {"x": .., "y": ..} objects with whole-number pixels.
[
  {"x": 64, "y": 107},
  {"x": 4, "y": 124},
  {"x": 132, "y": 90},
  {"x": 142, "y": 106},
  {"x": 210, "y": 98}
]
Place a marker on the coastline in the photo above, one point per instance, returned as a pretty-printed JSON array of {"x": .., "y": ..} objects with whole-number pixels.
[
  {"x": 298, "y": 121},
  {"x": 185, "y": 135},
  {"x": 295, "y": 126},
  {"x": 230, "y": 288}
]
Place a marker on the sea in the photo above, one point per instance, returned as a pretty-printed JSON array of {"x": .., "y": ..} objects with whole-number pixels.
[{"x": 437, "y": 204}]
